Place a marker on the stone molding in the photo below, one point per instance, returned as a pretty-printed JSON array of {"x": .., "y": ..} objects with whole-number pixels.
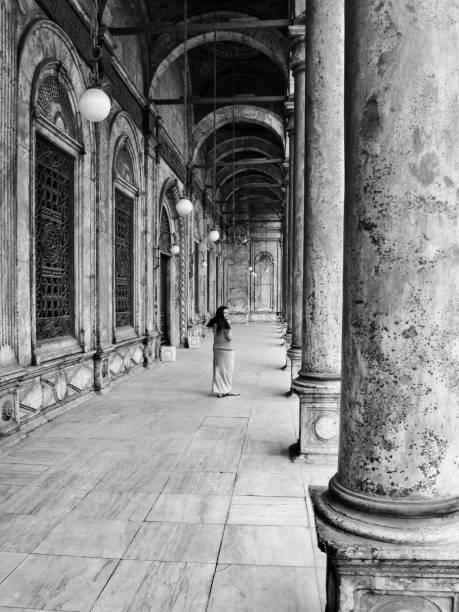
[{"x": 298, "y": 45}]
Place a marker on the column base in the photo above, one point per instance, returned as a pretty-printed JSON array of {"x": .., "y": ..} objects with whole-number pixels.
[
  {"x": 365, "y": 574},
  {"x": 320, "y": 401},
  {"x": 294, "y": 354}
]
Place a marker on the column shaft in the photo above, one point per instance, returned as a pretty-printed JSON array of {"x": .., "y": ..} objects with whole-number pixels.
[
  {"x": 401, "y": 316},
  {"x": 290, "y": 224},
  {"x": 298, "y": 68},
  {"x": 397, "y": 486},
  {"x": 318, "y": 384}
]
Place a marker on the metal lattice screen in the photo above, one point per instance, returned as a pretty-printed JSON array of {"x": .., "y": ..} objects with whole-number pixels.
[
  {"x": 54, "y": 205},
  {"x": 124, "y": 260}
]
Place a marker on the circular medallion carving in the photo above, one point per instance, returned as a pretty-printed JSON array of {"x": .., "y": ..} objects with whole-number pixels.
[
  {"x": 326, "y": 427},
  {"x": 406, "y": 604},
  {"x": 7, "y": 410}
]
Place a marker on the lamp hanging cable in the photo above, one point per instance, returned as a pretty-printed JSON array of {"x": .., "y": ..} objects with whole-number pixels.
[
  {"x": 214, "y": 234},
  {"x": 94, "y": 104},
  {"x": 184, "y": 205}
]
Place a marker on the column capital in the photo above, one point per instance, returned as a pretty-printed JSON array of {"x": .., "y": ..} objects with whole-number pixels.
[{"x": 297, "y": 34}]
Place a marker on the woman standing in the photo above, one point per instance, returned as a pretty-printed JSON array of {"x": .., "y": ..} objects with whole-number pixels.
[{"x": 222, "y": 382}]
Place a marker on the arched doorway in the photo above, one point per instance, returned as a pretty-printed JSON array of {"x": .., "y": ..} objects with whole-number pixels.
[
  {"x": 264, "y": 282},
  {"x": 165, "y": 273}
]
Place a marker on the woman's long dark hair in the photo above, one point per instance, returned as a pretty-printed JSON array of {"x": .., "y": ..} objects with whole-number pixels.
[{"x": 219, "y": 319}]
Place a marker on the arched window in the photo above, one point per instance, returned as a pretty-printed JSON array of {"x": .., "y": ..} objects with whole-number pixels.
[
  {"x": 55, "y": 152},
  {"x": 123, "y": 236}
]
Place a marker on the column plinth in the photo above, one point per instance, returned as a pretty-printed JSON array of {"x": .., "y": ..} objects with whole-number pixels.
[
  {"x": 389, "y": 521},
  {"x": 318, "y": 382}
]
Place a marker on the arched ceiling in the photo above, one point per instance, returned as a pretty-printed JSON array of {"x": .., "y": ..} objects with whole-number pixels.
[{"x": 251, "y": 86}]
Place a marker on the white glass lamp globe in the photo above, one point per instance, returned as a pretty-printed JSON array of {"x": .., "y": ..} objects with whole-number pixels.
[
  {"x": 183, "y": 206},
  {"x": 94, "y": 104},
  {"x": 203, "y": 264},
  {"x": 250, "y": 268},
  {"x": 175, "y": 249},
  {"x": 214, "y": 235}
]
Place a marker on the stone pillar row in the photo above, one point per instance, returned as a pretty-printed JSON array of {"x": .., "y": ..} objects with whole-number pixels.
[
  {"x": 389, "y": 520},
  {"x": 8, "y": 339},
  {"x": 297, "y": 34}
]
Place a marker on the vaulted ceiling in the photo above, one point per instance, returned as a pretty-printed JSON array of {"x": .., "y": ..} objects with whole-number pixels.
[{"x": 245, "y": 67}]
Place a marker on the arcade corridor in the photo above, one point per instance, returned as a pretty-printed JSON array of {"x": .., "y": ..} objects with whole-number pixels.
[{"x": 158, "y": 496}]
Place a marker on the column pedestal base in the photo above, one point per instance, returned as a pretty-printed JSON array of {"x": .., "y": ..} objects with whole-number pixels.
[
  {"x": 319, "y": 419},
  {"x": 365, "y": 574},
  {"x": 294, "y": 354}
]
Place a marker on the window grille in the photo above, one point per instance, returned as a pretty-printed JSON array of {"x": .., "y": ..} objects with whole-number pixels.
[
  {"x": 54, "y": 205},
  {"x": 124, "y": 269}
]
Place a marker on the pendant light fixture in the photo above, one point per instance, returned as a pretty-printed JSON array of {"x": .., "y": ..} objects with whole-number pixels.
[
  {"x": 94, "y": 104},
  {"x": 214, "y": 233},
  {"x": 184, "y": 205}
]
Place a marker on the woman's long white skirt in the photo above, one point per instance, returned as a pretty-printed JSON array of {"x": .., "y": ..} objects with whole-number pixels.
[{"x": 223, "y": 371}]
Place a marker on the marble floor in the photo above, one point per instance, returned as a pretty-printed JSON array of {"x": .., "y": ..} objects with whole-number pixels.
[{"x": 159, "y": 497}]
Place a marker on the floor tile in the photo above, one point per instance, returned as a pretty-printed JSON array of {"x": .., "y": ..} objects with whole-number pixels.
[
  {"x": 57, "y": 501},
  {"x": 6, "y": 491},
  {"x": 8, "y": 562},
  {"x": 134, "y": 477},
  {"x": 201, "y": 483},
  {"x": 249, "y": 588},
  {"x": 277, "y": 464},
  {"x": 89, "y": 538},
  {"x": 190, "y": 508},
  {"x": 73, "y": 476},
  {"x": 213, "y": 462},
  {"x": 20, "y": 473},
  {"x": 144, "y": 586},
  {"x": 23, "y": 533},
  {"x": 272, "y": 485},
  {"x": 176, "y": 542},
  {"x": 266, "y": 545},
  {"x": 60, "y": 583},
  {"x": 254, "y": 510},
  {"x": 116, "y": 505}
]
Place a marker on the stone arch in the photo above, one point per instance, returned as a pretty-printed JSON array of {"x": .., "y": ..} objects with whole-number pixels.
[
  {"x": 168, "y": 278},
  {"x": 125, "y": 144},
  {"x": 244, "y": 113},
  {"x": 168, "y": 194},
  {"x": 46, "y": 51},
  {"x": 268, "y": 43},
  {"x": 271, "y": 171},
  {"x": 245, "y": 143}
]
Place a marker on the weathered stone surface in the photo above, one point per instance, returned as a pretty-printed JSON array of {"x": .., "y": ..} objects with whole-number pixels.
[{"x": 399, "y": 436}]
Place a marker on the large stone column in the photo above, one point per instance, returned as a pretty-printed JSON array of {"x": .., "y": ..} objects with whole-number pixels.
[
  {"x": 285, "y": 231},
  {"x": 8, "y": 111},
  {"x": 318, "y": 384},
  {"x": 291, "y": 158},
  {"x": 297, "y": 34},
  {"x": 390, "y": 518}
]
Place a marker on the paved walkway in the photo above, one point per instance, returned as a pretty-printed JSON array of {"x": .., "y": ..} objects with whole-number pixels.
[{"x": 158, "y": 497}]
